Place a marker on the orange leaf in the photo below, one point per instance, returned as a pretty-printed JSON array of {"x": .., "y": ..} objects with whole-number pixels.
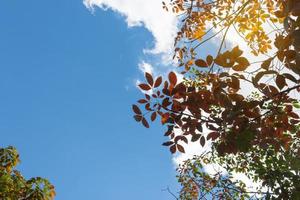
[{"x": 172, "y": 78}]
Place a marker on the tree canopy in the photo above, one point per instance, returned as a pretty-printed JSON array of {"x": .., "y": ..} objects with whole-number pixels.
[
  {"x": 13, "y": 186},
  {"x": 255, "y": 132}
]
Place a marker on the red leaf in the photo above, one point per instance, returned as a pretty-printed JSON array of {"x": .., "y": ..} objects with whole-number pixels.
[
  {"x": 149, "y": 78},
  {"x": 158, "y": 82},
  {"x": 145, "y": 123},
  {"x": 201, "y": 63},
  {"x": 172, "y": 78},
  {"x": 136, "y": 109},
  {"x": 144, "y": 86},
  {"x": 153, "y": 116}
]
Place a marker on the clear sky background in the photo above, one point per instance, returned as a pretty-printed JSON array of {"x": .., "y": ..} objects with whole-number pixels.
[{"x": 66, "y": 88}]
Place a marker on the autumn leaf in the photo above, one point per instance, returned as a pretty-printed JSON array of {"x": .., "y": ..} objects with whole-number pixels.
[
  {"x": 200, "y": 63},
  {"x": 280, "y": 81},
  {"x": 144, "y": 86},
  {"x": 149, "y": 78},
  {"x": 136, "y": 109},
  {"x": 172, "y": 78},
  {"x": 158, "y": 81}
]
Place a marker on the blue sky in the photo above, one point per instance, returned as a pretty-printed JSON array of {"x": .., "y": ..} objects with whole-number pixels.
[{"x": 66, "y": 89}]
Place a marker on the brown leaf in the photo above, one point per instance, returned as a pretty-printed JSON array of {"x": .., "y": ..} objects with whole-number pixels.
[
  {"x": 236, "y": 52},
  {"x": 195, "y": 137},
  {"x": 290, "y": 77},
  {"x": 153, "y": 116},
  {"x": 201, "y": 63},
  {"x": 209, "y": 59},
  {"x": 138, "y": 118},
  {"x": 165, "y": 118},
  {"x": 149, "y": 78},
  {"x": 280, "y": 81},
  {"x": 145, "y": 123},
  {"x": 158, "y": 82},
  {"x": 172, "y": 78},
  {"x": 166, "y": 102},
  {"x": 173, "y": 149},
  {"x": 243, "y": 62},
  {"x": 141, "y": 101},
  {"x": 266, "y": 64},
  {"x": 202, "y": 141},
  {"x": 136, "y": 109},
  {"x": 180, "y": 148},
  {"x": 168, "y": 143},
  {"x": 212, "y": 136},
  {"x": 239, "y": 67},
  {"x": 144, "y": 86}
]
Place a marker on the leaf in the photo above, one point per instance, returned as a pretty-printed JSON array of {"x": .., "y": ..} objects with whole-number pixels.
[
  {"x": 243, "y": 62},
  {"x": 149, "y": 78},
  {"x": 202, "y": 141},
  {"x": 166, "y": 102},
  {"x": 180, "y": 137},
  {"x": 259, "y": 75},
  {"x": 195, "y": 137},
  {"x": 266, "y": 64},
  {"x": 296, "y": 104},
  {"x": 180, "y": 148},
  {"x": 212, "y": 136},
  {"x": 201, "y": 63},
  {"x": 141, "y": 101},
  {"x": 144, "y": 86},
  {"x": 145, "y": 123},
  {"x": 172, "y": 78},
  {"x": 138, "y": 118},
  {"x": 158, "y": 82},
  {"x": 239, "y": 67},
  {"x": 136, "y": 109},
  {"x": 209, "y": 59},
  {"x": 173, "y": 149},
  {"x": 290, "y": 77},
  {"x": 236, "y": 52},
  {"x": 165, "y": 118},
  {"x": 168, "y": 143},
  {"x": 153, "y": 116},
  {"x": 280, "y": 81}
]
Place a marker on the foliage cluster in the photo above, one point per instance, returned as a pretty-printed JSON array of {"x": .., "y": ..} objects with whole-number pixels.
[
  {"x": 254, "y": 134},
  {"x": 13, "y": 186}
]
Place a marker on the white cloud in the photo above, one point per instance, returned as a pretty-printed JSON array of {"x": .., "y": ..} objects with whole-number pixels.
[
  {"x": 147, "y": 13},
  {"x": 146, "y": 67}
]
